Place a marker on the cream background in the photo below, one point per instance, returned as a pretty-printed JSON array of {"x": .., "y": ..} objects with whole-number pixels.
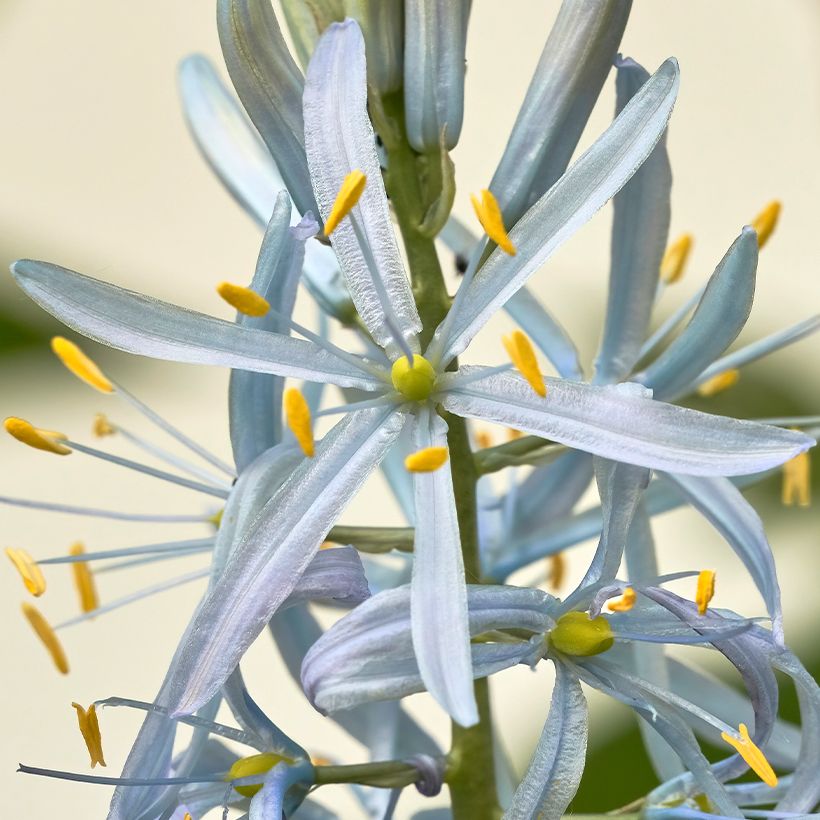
[{"x": 99, "y": 174}]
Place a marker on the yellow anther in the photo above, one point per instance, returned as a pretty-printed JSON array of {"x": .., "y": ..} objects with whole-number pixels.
[
  {"x": 102, "y": 427},
  {"x": 557, "y": 570},
  {"x": 624, "y": 603},
  {"x": 216, "y": 518},
  {"x": 513, "y": 434},
  {"x": 766, "y": 221},
  {"x": 483, "y": 439},
  {"x": 47, "y": 635},
  {"x": 719, "y": 383},
  {"x": 253, "y": 765},
  {"x": 673, "y": 263},
  {"x": 48, "y": 440},
  {"x": 492, "y": 220},
  {"x": 31, "y": 574},
  {"x": 797, "y": 481},
  {"x": 414, "y": 382},
  {"x": 352, "y": 188},
  {"x": 427, "y": 460},
  {"x": 84, "y": 580},
  {"x": 90, "y": 730},
  {"x": 297, "y": 414},
  {"x": 521, "y": 353},
  {"x": 747, "y": 749},
  {"x": 80, "y": 365},
  {"x": 187, "y": 816},
  {"x": 576, "y": 633},
  {"x": 242, "y": 299},
  {"x": 706, "y": 590},
  {"x": 320, "y": 761}
]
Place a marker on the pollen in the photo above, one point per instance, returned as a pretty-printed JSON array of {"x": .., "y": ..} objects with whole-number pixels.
[
  {"x": 521, "y": 353},
  {"x": 80, "y": 365},
  {"x": 674, "y": 260},
  {"x": 577, "y": 634},
  {"x": 253, "y": 765},
  {"x": 766, "y": 221},
  {"x": 747, "y": 749},
  {"x": 90, "y": 730},
  {"x": 624, "y": 603},
  {"x": 797, "y": 481},
  {"x": 245, "y": 300},
  {"x": 31, "y": 574},
  {"x": 706, "y": 590},
  {"x": 483, "y": 439},
  {"x": 717, "y": 384},
  {"x": 414, "y": 382},
  {"x": 489, "y": 215},
  {"x": 297, "y": 414},
  {"x": 47, "y": 635},
  {"x": 557, "y": 570},
  {"x": 84, "y": 580},
  {"x": 48, "y": 440},
  {"x": 349, "y": 194},
  {"x": 427, "y": 460},
  {"x": 102, "y": 427}
]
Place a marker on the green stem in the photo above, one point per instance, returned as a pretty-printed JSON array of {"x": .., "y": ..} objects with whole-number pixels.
[
  {"x": 386, "y": 774},
  {"x": 373, "y": 539},
  {"x": 529, "y": 450}
]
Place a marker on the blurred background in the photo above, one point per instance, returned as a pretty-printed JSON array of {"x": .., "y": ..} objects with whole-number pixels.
[{"x": 99, "y": 174}]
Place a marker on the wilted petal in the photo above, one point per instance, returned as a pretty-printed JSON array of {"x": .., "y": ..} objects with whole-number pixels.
[
  {"x": 591, "y": 181},
  {"x": 441, "y": 638},
  {"x": 557, "y": 764},
  {"x": 140, "y": 324},
  {"x": 640, "y": 229},
  {"x": 334, "y": 575},
  {"x": 620, "y": 424},
  {"x": 720, "y": 316},
  {"x": 340, "y": 139}
]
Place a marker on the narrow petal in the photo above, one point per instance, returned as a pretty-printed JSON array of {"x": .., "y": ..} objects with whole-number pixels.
[
  {"x": 720, "y": 316},
  {"x": 622, "y": 424},
  {"x": 640, "y": 229},
  {"x": 284, "y": 787},
  {"x": 139, "y": 324},
  {"x": 591, "y": 181},
  {"x": 555, "y": 770},
  {"x": 441, "y": 637},
  {"x": 382, "y": 25},
  {"x": 340, "y": 139},
  {"x": 270, "y": 85},
  {"x": 333, "y": 576},
  {"x": 565, "y": 86}
]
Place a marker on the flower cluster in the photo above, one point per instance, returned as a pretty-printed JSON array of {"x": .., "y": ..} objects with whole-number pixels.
[{"x": 359, "y": 139}]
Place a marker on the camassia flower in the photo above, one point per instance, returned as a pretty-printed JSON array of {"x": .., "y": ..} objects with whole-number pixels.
[{"x": 407, "y": 388}]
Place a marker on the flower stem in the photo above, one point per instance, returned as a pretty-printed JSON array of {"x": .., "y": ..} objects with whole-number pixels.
[{"x": 385, "y": 774}]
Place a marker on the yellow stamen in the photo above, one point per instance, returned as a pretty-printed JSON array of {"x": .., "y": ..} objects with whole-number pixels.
[
  {"x": 624, "y": 603},
  {"x": 513, "y": 434},
  {"x": 719, "y": 383},
  {"x": 427, "y": 460},
  {"x": 80, "y": 365},
  {"x": 47, "y": 635},
  {"x": 84, "y": 580},
  {"x": 492, "y": 220},
  {"x": 521, "y": 352},
  {"x": 252, "y": 765},
  {"x": 747, "y": 749},
  {"x": 102, "y": 427},
  {"x": 352, "y": 188},
  {"x": 674, "y": 260},
  {"x": 766, "y": 221},
  {"x": 187, "y": 816},
  {"x": 706, "y": 590},
  {"x": 483, "y": 439},
  {"x": 797, "y": 481},
  {"x": 576, "y": 633},
  {"x": 216, "y": 518},
  {"x": 320, "y": 761},
  {"x": 557, "y": 570},
  {"x": 31, "y": 574},
  {"x": 90, "y": 730},
  {"x": 244, "y": 300},
  {"x": 297, "y": 414},
  {"x": 48, "y": 440},
  {"x": 416, "y": 381}
]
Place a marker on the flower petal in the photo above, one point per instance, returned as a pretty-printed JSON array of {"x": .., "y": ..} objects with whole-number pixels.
[
  {"x": 592, "y": 180},
  {"x": 619, "y": 423},
  {"x": 139, "y": 324},
  {"x": 278, "y": 797},
  {"x": 340, "y": 139},
  {"x": 441, "y": 637},
  {"x": 555, "y": 770},
  {"x": 334, "y": 575},
  {"x": 640, "y": 229}
]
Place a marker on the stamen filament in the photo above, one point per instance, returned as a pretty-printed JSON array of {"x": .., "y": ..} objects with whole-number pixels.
[
  {"x": 84, "y": 580},
  {"x": 427, "y": 460},
  {"x": 95, "y": 512},
  {"x": 46, "y": 634},
  {"x": 297, "y": 415},
  {"x": 120, "y": 781},
  {"x": 31, "y": 574},
  {"x": 749, "y": 751},
  {"x": 145, "y": 549}
]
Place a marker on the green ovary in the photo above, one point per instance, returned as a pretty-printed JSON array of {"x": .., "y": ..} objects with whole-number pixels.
[
  {"x": 577, "y": 634},
  {"x": 417, "y": 382}
]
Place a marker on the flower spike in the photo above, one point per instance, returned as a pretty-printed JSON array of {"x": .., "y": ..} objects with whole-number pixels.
[
  {"x": 297, "y": 413},
  {"x": 29, "y": 571},
  {"x": 84, "y": 581},
  {"x": 706, "y": 590},
  {"x": 90, "y": 730},
  {"x": 47, "y": 635},
  {"x": 674, "y": 260},
  {"x": 492, "y": 220},
  {"x": 766, "y": 221},
  {"x": 245, "y": 300},
  {"x": 80, "y": 365},
  {"x": 521, "y": 352},
  {"x": 47, "y": 440},
  {"x": 427, "y": 460},
  {"x": 747, "y": 749},
  {"x": 349, "y": 194}
]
